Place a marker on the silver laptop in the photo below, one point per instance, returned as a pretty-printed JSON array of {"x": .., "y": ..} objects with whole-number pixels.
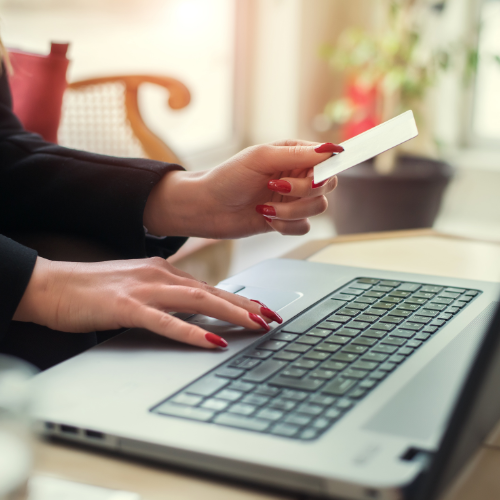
[{"x": 347, "y": 398}]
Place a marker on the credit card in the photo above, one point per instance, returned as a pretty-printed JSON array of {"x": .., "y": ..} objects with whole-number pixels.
[{"x": 371, "y": 143}]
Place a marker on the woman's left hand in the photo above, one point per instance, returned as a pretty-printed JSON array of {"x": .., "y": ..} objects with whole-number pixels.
[{"x": 262, "y": 188}]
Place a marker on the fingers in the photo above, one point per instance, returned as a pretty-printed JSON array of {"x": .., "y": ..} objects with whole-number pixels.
[
  {"x": 302, "y": 187},
  {"x": 290, "y": 228},
  {"x": 294, "y": 210},
  {"x": 290, "y": 155}
]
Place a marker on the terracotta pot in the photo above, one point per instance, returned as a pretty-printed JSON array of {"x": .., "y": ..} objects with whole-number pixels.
[{"x": 409, "y": 198}]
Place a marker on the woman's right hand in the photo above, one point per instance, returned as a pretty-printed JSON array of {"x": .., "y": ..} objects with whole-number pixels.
[{"x": 83, "y": 297}]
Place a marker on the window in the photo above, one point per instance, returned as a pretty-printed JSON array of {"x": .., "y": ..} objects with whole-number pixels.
[{"x": 192, "y": 40}]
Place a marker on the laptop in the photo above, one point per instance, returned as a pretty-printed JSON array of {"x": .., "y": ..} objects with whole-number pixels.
[{"x": 365, "y": 391}]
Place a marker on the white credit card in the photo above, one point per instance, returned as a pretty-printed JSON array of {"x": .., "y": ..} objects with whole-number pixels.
[{"x": 371, "y": 143}]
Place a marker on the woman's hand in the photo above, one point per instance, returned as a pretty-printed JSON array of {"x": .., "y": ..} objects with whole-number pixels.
[
  {"x": 83, "y": 297},
  {"x": 263, "y": 188}
]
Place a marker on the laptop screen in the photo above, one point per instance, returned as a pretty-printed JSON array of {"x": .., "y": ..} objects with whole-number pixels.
[{"x": 476, "y": 411}]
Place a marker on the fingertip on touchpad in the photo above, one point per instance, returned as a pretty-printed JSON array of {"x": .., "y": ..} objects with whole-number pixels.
[{"x": 274, "y": 299}]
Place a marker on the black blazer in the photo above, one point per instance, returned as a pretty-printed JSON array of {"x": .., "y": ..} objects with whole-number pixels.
[{"x": 48, "y": 188}]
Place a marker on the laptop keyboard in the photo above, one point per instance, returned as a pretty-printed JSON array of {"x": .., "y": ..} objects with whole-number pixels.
[{"x": 308, "y": 373}]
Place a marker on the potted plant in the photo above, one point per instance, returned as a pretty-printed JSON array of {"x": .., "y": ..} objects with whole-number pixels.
[{"x": 388, "y": 72}]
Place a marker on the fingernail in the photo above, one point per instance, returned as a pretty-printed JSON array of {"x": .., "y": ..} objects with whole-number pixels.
[
  {"x": 328, "y": 147},
  {"x": 322, "y": 183},
  {"x": 215, "y": 339},
  {"x": 271, "y": 314},
  {"x": 280, "y": 186},
  {"x": 268, "y": 219},
  {"x": 204, "y": 282},
  {"x": 258, "y": 302},
  {"x": 266, "y": 210},
  {"x": 257, "y": 319}
]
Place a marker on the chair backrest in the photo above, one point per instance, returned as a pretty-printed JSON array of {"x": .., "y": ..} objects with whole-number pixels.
[
  {"x": 37, "y": 84},
  {"x": 102, "y": 115}
]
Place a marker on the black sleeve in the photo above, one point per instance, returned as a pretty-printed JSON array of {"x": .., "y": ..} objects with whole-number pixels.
[{"x": 47, "y": 188}]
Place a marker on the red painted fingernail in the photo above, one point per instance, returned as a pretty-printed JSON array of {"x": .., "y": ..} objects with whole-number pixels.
[
  {"x": 268, "y": 219},
  {"x": 266, "y": 210},
  {"x": 322, "y": 183},
  {"x": 271, "y": 314},
  {"x": 215, "y": 339},
  {"x": 328, "y": 147},
  {"x": 280, "y": 186},
  {"x": 257, "y": 319}
]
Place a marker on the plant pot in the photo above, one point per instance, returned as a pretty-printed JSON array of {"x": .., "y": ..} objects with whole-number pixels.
[{"x": 408, "y": 198}]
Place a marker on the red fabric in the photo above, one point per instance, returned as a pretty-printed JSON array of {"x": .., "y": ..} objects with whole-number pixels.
[
  {"x": 364, "y": 101},
  {"x": 37, "y": 85}
]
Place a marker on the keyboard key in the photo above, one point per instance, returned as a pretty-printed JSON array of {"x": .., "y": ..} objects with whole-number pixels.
[
  {"x": 445, "y": 316},
  {"x": 472, "y": 293},
  {"x": 380, "y": 288},
  {"x": 242, "y": 422},
  {"x": 391, "y": 284},
  {"x": 405, "y": 351},
  {"x": 384, "y": 349},
  {"x": 344, "y": 357},
  {"x": 414, "y": 343},
  {"x": 376, "y": 312},
  {"x": 409, "y": 325},
  {"x": 344, "y": 404},
  {"x": 369, "y": 281},
  {"x": 408, "y": 307},
  {"x": 333, "y": 365},
  {"x": 423, "y": 295},
  {"x": 354, "y": 349},
  {"x": 357, "y": 393},
  {"x": 245, "y": 363},
  {"x": 441, "y": 300},
  {"x": 337, "y": 318},
  {"x": 318, "y": 332},
  {"x": 355, "y": 374},
  {"x": 339, "y": 386},
  {"x": 338, "y": 339},
  {"x": 392, "y": 300},
  {"x": 393, "y": 341},
  {"x": 324, "y": 374},
  {"x": 293, "y": 372},
  {"x": 352, "y": 291},
  {"x": 378, "y": 375},
  {"x": 399, "y": 293},
  {"x": 295, "y": 395},
  {"x": 361, "y": 285},
  {"x": 367, "y": 384},
  {"x": 324, "y": 347},
  {"x": 343, "y": 296},
  {"x": 285, "y": 430},
  {"x": 255, "y": 399},
  {"x": 330, "y": 325},
  {"x": 308, "y": 384},
  {"x": 396, "y": 358},
  {"x": 430, "y": 329},
  {"x": 269, "y": 414},
  {"x": 359, "y": 325},
  {"x": 309, "y": 434},
  {"x": 333, "y": 413},
  {"x": 408, "y": 287},
  {"x": 305, "y": 364},
  {"x": 260, "y": 354},
  {"x": 348, "y": 332},
  {"x": 374, "y": 356},
  {"x": 297, "y": 348},
  {"x": 366, "y": 341},
  {"x": 286, "y": 356},
  {"x": 431, "y": 288},
  {"x": 207, "y": 386},
  {"x": 321, "y": 423},
  {"x": 285, "y": 405},
  {"x": 231, "y": 373},
  {"x": 310, "y": 340},
  {"x": 298, "y": 419},
  {"x": 427, "y": 311},
  {"x": 310, "y": 318},
  {"x": 264, "y": 371},
  {"x": 452, "y": 310},
  {"x": 364, "y": 300},
  {"x": 383, "y": 305},
  {"x": 376, "y": 295},
  {"x": 229, "y": 395},
  {"x": 364, "y": 365},
  {"x": 241, "y": 386},
  {"x": 187, "y": 399},
  {"x": 421, "y": 319},
  {"x": 447, "y": 295},
  {"x": 401, "y": 313},
  {"x": 348, "y": 312},
  {"x": 419, "y": 302},
  {"x": 242, "y": 409},
  {"x": 387, "y": 366},
  {"x": 321, "y": 399},
  {"x": 405, "y": 334},
  {"x": 455, "y": 290},
  {"x": 310, "y": 409},
  {"x": 287, "y": 337},
  {"x": 357, "y": 305},
  {"x": 422, "y": 336},
  {"x": 317, "y": 355},
  {"x": 368, "y": 318},
  {"x": 375, "y": 334},
  {"x": 266, "y": 390},
  {"x": 194, "y": 413},
  {"x": 392, "y": 319},
  {"x": 215, "y": 404},
  {"x": 381, "y": 325}
]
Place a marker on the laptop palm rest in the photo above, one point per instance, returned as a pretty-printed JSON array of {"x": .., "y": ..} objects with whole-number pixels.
[{"x": 421, "y": 408}]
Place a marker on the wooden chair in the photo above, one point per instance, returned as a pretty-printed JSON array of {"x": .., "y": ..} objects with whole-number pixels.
[{"x": 102, "y": 115}]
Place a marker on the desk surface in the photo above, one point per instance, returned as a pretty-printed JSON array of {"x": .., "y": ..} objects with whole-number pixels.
[{"x": 420, "y": 251}]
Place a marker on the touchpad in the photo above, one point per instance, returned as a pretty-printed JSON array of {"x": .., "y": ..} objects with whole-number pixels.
[
  {"x": 274, "y": 299},
  {"x": 421, "y": 408}
]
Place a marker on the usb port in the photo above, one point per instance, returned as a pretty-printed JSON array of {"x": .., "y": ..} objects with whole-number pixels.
[
  {"x": 69, "y": 429},
  {"x": 94, "y": 434}
]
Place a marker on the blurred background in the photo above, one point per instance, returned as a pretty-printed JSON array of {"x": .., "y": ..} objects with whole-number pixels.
[{"x": 320, "y": 70}]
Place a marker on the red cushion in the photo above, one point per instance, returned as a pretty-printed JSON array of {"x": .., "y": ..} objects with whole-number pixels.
[{"x": 37, "y": 85}]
